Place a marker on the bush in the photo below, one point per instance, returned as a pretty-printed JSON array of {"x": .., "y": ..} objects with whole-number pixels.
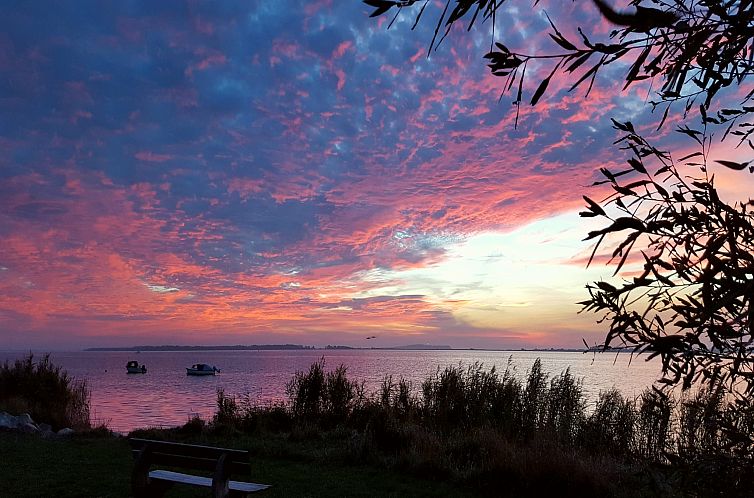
[
  {"x": 654, "y": 425},
  {"x": 306, "y": 391},
  {"x": 319, "y": 396},
  {"x": 242, "y": 414},
  {"x": 534, "y": 435},
  {"x": 611, "y": 427},
  {"x": 46, "y": 392}
]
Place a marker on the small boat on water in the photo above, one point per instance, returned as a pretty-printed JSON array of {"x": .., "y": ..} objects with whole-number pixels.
[
  {"x": 133, "y": 367},
  {"x": 202, "y": 369}
]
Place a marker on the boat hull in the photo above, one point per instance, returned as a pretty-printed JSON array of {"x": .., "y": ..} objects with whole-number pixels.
[{"x": 190, "y": 371}]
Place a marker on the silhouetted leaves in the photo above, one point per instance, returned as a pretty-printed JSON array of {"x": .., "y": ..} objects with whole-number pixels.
[
  {"x": 733, "y": 164},
  {"x": 381, "y": 6},
  {"x": 695, "y": 48},
  {"x": 542, "y": 87},
  {"x": 691, "y": 299},
  {"x": 687, "y": 295}
]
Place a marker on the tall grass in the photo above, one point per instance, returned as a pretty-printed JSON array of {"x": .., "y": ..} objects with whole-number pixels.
[
  {"x": 44, "y": 391},
  {"x": 484, "y": 426}
]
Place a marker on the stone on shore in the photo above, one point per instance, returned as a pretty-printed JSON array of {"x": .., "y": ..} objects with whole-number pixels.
[
  {"x": 66, "y": 432},
  {"x": 8, "y": 421},
  {"x": 28, "y": 428},
  {"x": 24, "y": 419}
]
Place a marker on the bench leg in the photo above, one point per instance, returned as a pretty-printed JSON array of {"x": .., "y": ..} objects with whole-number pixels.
[
  {"x": 141, "y": 485},
  {"x": 221, "y": 479},
  {"x": 140, "y": 474}
]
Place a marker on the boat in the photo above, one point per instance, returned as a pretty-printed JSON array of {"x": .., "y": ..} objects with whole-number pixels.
[
  {"x": 202, "y": 369},
  {"x": 133, "y": 367}
]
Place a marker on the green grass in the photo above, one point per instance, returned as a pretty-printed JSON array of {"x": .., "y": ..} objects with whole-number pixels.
[
  {"x": 102, "y": 467},
  {"x": 76, "y": 467},
  {"x": 466, "y": 432}
]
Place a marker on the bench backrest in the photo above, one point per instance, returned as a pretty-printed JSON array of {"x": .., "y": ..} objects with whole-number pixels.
[{"x": 190, "y": 456}]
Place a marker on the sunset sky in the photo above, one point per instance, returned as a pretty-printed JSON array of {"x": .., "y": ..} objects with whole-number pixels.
[{"x": 292, "y": 172}]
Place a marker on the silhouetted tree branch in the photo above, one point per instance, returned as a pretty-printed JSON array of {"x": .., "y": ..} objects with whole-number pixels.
[
  {"x": 691, "y": 301},
  {"x": 695, "y": 48}
]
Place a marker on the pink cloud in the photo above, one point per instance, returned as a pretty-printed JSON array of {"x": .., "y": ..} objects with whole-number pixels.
[{"x": 152, "y": 157}]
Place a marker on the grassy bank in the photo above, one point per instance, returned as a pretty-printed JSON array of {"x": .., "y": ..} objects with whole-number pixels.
[
  {"x": 463, "y": 431},
  {"x": 87, "y": 466},
  {"x": 501, "y": 435}
]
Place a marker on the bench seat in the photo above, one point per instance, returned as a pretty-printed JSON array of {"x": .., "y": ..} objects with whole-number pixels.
[
  {"x": 220, "y": 463},
  {"x": 177, "y": 477}
]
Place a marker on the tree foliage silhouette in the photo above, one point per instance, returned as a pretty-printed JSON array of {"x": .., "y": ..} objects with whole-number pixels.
[{"x": 692, "y": 300}]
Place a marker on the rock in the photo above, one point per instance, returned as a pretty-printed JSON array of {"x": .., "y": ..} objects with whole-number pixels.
[
  {"x": 28, "y": 428},
  {"x": 24, "y": 419},
  {"x": 8, "y": 421},
  {"x": 45, "y": 430},
  {"x": 66, "y": 432}
]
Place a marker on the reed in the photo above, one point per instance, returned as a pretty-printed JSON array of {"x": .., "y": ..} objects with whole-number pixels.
[
  {"x": 46, "y": 392},
  {"x": 477, "y": 424}
]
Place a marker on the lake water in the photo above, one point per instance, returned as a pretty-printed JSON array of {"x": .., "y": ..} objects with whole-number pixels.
[{"x": 166, "y": 396}]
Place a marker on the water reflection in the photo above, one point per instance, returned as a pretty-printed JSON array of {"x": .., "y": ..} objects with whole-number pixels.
[{"x": 166, "y": 396}]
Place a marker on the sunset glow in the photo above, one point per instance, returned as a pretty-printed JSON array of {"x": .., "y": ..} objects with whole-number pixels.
[{"x": 293, "y": 172}]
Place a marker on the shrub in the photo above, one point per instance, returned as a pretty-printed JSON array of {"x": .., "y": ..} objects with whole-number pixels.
[
  {"x": 700, "y": 422},
  {"x": 564, "y": 409},
  {"x": 654, "y": 425},
  {"x": 611, "y": 427},
  {"x": 317, "y": 395},
  {"x": 534, "y": 435},
  {"x": 228, "y": 413},
  {"x": 533, "y": 400},
  {"x": 46, "y": 391},
  {"x": 306, "y": 391},
  {"x": 339, "y": 394}
]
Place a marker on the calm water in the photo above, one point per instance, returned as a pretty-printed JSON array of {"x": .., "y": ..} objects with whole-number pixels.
[{"x": 166, "y": 396}]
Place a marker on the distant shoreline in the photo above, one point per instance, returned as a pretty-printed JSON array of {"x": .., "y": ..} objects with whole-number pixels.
[{"x": 300, "y": 347}]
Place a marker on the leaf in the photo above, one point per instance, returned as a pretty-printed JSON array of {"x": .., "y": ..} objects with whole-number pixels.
[
  {"x": 563, "y": 42},
  {"x": 624, "y": 223},
  {"x": 733, "y": 165},
  {"x": 691, "y": 133},
  {"x": 664, "y": 116},
  {"x": 543, "y": 86},
  {"x": 579, "y": 61},
  {"x": 559, "y": 38},
  {"x": 694, "y": 154},
  {"x": 586, "y": 75},
  {"x": 594, "y": 207},
  {"x": 631, "y": 76},
  {"x": 627, "y": 126},
  {"x": 606, "y": 286},
  {"x": 637, "y": 165},
  {"x": 594, "y": 251},
  {"x": 382, "y": 6},
  {"x": 502, "y": 47}
]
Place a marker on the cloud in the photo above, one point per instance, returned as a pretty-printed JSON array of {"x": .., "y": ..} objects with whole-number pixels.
[{"x": 266, "y": 170}]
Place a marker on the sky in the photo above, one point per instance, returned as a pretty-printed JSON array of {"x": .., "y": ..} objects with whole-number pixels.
[{"x": 294, "y": 172}]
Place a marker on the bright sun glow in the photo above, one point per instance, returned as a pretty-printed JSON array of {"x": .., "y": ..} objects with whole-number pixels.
[{"x": 530, "y": 277}]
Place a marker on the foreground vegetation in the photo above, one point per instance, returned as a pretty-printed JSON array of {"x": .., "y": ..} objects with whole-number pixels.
[
  {"x": 101, "y": 466},
  {"x": 501, "y": 435},
  {"x": 465, "y": 430},
  {"x": 44, "y": 391}
]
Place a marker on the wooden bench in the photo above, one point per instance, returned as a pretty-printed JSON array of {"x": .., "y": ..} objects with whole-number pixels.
[{"x": 221, "y": 461}]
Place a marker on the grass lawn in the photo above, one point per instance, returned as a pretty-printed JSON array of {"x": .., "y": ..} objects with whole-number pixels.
[{"x": 81, "y": 466}]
